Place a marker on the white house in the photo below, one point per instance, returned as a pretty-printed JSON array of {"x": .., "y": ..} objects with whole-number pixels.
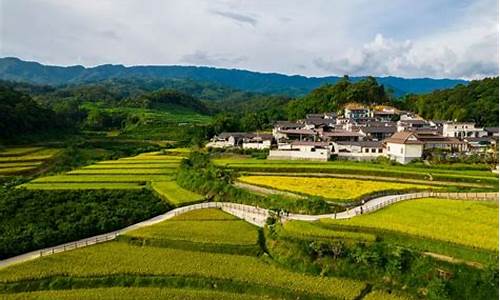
[
  {"x": 301, "y": 150},
  {"x": 403, "y": 147},
  {"x": 356, "y": 111},
  {"x": 463, "y": 130},
  {"x": 258, "y": 141},
  {"x": 363, "y": 150}
]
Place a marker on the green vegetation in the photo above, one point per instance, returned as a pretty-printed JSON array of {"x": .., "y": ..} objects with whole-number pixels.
[
  {"x": 37, "y": 219},
  {"x": 174, "y": 194},
  {"x": 469, "y": 223},
  {"x": 198, "y": 174},
  {"x": 391, "y": 268},
  {"x": 332, "y": 97},
  {"x": 25, "y": 160},
  {"x": 477, "y": 101}
]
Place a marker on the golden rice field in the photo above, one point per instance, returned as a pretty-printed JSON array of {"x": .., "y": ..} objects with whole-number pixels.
[
  {"x": 115, "y": 258},
  {"x": 333, "y": 188},
  {"x": 21, "y": 160},
  {"x": 220, "y": 230},
  {"x": 307, "y": 230},
  {"x": 175, "y": 194},
  {"x": 133, "y": 293},
  {"x": 469, "y": 223}
]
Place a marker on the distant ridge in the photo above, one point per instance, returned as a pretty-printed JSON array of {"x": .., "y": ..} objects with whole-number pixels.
[{"x": 15, "y": 69}]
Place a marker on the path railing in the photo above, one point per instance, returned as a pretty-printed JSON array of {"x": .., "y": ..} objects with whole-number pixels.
[{"x": 252, "y": 214}]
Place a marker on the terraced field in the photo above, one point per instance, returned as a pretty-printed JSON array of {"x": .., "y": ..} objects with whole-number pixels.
[
  {"x": 174, "y": 193},
  {"x": 457, "y": 174},
  {"x": 337, "y": 189},
  {"x": 128, "y": 293},
  {"x": 207, "y": 230},
  {"x": 23, "y": 160},
  {"x": 144, "y": 266},
  {"x": 468, "y": 223}
]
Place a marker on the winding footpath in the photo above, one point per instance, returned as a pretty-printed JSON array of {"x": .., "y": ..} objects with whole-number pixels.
[{"x": 252, "y": 214}]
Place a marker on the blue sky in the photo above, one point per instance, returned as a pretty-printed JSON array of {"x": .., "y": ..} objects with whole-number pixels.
[{"x": 426, "y": 38}]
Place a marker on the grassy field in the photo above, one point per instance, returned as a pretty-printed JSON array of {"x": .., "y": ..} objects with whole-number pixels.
[
  {"x": 117, "y": 174},
  {"x": 468, "y": 223},
  {"x": 331, "y": 188},
  {"x": 23, "y": 160},
  {"x": 479, "y": 175},
  {"x": 174, "y": 193}
]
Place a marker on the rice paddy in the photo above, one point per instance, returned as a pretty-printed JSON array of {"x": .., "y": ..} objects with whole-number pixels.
[
  {"x": 210, "y": 230},
  {"x": 174, "y": 194},
  {"x": 126, "y": 173},
  {"x": 23, "y": 160},
  {"x": 338, "y": 189},
  {"x": 468, "y": 223},
  {"x": 115, "y": 258}
]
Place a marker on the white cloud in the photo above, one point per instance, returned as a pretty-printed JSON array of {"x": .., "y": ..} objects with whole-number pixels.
[{"x": 434, "y": 38}]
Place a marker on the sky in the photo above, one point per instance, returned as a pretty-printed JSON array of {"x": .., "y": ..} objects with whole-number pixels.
[{"x": 425, "y": 38}]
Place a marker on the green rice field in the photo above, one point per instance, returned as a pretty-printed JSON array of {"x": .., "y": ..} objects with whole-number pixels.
[
  {"x": 25, "y": 160},
  {"x": 147, "y": 168},
  {"x": 174, "y": 194}
]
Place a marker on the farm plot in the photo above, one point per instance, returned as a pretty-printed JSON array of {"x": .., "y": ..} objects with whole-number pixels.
[
  {"x": 21, "y": 160},
  {"x": 174, "y": 194},
  {"x": 338, "y": 189},
  {"x": 303, "y": 229},
  {"x": 126, "y": 173},
  {"x": 116, "y": 258},
  {"x": 208, "y": 230},
  {"x": 83, "y": 186},
  {"x": 462, "y": 222},
  {"x": 132, "y": 293},
  {"x": 477, "y": 175}
]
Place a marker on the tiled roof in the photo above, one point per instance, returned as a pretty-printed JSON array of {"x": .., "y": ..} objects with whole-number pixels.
[{"x": 403, "y": 137}]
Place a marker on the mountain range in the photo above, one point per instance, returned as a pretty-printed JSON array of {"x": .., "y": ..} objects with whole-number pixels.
[{"x": 15, "y": 69}]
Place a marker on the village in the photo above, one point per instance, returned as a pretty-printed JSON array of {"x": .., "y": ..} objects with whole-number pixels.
[{"x": 362, "y": 132}]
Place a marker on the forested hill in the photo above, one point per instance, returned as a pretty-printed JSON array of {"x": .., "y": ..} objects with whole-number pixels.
[
  {"x": 18, "y": 70},
  {"x": 477, "y": 101}
]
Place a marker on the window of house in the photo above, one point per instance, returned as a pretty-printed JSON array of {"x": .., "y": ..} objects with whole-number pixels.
[
  {"x": 401, "y": 150},
  {"x": 374, "y": 150},
  {"x": 379, "y": 150},
  {"x": 366, "y": 150},
  {"x": 388, "y": 148}
]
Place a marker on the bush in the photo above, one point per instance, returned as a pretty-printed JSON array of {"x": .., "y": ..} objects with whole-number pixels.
[{"x": 38, "y": 219}]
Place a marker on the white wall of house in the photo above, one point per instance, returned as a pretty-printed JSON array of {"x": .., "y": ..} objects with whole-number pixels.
[
  {"x": 257, "y": 145},
  {"x": 404, "y": 153},
  {"x": 318, "y": 154},
  {"x": 463, "y": 130},
  {"x": 220, "y": 144}
]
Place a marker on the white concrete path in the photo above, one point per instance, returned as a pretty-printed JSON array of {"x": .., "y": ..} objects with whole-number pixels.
[{"x": 251, "y": 214}]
